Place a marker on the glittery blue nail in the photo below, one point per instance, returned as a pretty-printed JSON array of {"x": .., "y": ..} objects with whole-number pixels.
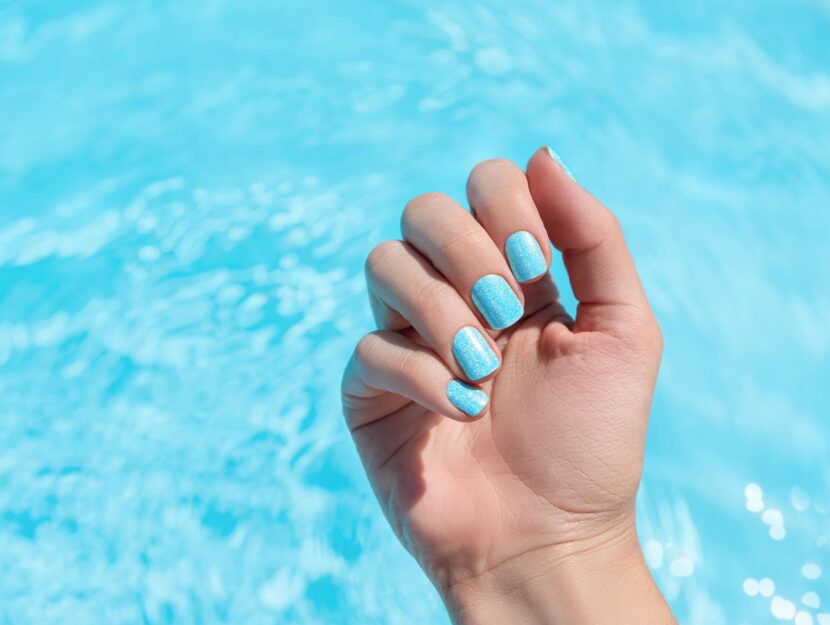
[
  {"x": 525, "y": 256},
  {"x": 474, "y": 354},
  {"x": 468, "y": 399},
  {"x": 559, "y": 160},
  {"x": 497, "y": 302}
]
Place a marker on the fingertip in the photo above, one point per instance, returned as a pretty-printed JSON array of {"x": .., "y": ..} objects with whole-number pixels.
[
  {"x": 470, "y": 401},
  {"x": 499, "y": 300},
  {"x": 463, "y": 417},
  {"x": 477, "y": 417},
  {"x": 477, "y": 355},
  {"x": 526, "y": 256},
  {"x": 487, "y": 377},
  {"x": 554, "y": 155},
  {"x": 538, "y": 162},
  {"x": 547, "y": 160}
]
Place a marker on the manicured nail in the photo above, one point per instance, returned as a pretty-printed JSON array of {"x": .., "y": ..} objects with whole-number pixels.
[
  {"x": 497, "y": 301},
  {"x": 474, "y": 354},
  {"x": 559, "y": 160},
  {"x": 468, "y": 399},
  {"x": 525, "y": 256}
]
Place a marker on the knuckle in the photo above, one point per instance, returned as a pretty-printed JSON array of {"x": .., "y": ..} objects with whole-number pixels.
[
  {"x": 655, "y": 335},
  {"x": 492, "y": 169},
  {"x": 422, "y": 206},
  {"x": 644, "y": 334},
  {"x": 601, "y": 227},
  {"x": 492, "y": 166},
  {"x": 431, "y": 294},
  {"x": 411, "y": 363},
  {"x": 466, "y": 239},
  {"x": 611, "y": 225},
  {"x": 381, "y": 255},
  {"x": 366, "y": 346}
]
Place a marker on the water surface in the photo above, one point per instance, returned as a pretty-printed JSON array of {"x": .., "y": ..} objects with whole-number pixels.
[{"x": 187, "y": 192}]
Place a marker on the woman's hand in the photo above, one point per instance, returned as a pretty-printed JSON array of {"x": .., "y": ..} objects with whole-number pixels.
[{"x": 520, "y": 509}]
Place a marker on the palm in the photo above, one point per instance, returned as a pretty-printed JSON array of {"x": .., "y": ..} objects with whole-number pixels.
[{"x": 554, "y": 447}]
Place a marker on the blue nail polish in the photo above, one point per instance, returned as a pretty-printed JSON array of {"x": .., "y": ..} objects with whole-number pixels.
[
  {"x": 468, "y": 399},
  {"x": 525, "y": 256},
  {"x": 559, "y": 160},
  {"x": 474, "y": 354},
  {"x": 497, "y": 301}
]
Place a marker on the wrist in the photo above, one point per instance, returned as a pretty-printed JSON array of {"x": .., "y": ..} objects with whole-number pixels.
[{"x": 602, "y": 580}]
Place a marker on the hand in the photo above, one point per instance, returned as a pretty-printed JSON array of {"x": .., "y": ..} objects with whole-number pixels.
[{"x": 533, "y": 493}]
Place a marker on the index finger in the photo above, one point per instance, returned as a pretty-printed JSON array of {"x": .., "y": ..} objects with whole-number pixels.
[{"x": 498, "y": 192}]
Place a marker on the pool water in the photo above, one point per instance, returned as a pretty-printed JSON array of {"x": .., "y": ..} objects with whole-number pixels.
[{"x": 187, "y": 193}]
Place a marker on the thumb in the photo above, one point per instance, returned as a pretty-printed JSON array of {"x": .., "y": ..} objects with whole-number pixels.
[{"x": 599, "y": 265}]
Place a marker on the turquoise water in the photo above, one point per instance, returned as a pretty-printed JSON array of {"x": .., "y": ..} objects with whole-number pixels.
[{"x": 187, "y": 192}]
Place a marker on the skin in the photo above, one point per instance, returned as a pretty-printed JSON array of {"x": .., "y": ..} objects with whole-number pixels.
[{"x": 524, "y": 513}]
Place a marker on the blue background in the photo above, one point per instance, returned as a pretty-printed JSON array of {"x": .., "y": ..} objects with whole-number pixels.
[{"x": 187, "y": 193}]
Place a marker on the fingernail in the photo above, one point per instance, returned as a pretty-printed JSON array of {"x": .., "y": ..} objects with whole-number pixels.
[
  {"x": 474, "y": 354},
  {"x": 560, "y": 162},
  {"x": 468, "y": 399},
  {"x": 497, "y": 301},
  {"x": 525, "y": 256}
]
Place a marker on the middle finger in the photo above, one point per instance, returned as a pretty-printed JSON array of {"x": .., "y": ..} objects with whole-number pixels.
[{"x": 460, "y": 248}]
